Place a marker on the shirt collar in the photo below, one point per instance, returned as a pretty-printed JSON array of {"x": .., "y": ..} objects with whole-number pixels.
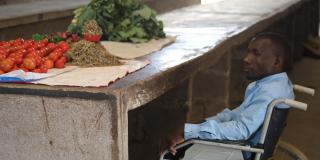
[{"x": 272, "y": 77}]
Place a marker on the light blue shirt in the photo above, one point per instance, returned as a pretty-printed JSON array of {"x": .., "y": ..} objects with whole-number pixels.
[{"x": 241, "y": 122}]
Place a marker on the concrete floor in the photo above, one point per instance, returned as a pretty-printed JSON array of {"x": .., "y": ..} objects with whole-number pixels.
[{"x": 303, "y": 129}]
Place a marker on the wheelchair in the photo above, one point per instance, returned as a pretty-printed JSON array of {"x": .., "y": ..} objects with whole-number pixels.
[{"x": 274, "y": 123}]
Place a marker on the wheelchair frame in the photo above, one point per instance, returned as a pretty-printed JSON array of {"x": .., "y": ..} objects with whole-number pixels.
[{"x": 258, "y": 151}]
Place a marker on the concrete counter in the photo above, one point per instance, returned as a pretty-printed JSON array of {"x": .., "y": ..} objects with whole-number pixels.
[{"x": 45, "y": 122}]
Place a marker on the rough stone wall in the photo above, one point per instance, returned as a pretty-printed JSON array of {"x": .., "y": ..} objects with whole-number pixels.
[
  {"x": 149, "y": 124},
  {"x": 210, "y": 90},
  {"x": 55, "y": 128}
]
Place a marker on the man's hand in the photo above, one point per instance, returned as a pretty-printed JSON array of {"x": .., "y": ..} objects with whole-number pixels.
[{"x": 172, "y": 140}]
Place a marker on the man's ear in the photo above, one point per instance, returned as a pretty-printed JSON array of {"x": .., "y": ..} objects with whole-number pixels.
[{"x": 278, "y": 62}]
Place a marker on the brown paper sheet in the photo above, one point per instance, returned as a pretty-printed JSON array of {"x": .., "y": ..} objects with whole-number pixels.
[
  {"x": 91, "y": 77},
  {"x": 126, "y": 50}
]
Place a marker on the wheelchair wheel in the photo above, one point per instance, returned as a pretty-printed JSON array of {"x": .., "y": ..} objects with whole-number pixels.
[{"x": 286, "y": 151}]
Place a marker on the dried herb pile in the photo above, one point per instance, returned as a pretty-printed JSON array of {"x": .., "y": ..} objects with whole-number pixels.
[
  {"x": 89, "y": 54},
  {"x": 91, "y": 27}
]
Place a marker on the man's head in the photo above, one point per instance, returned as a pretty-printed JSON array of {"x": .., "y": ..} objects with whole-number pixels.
[{"x": 268, "y": 54}]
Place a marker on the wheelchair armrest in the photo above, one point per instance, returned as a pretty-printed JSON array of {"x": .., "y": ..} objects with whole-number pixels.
[{"x": 181, "y": 148}]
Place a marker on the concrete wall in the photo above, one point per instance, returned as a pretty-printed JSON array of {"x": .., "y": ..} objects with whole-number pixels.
[{"x": 55, "y": 128}]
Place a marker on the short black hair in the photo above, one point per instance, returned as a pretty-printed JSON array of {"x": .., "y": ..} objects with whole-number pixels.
[{"x": 281, "y": 44}]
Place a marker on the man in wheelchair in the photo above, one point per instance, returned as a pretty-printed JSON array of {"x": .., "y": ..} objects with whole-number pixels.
[{"x": 265, "y": 64}]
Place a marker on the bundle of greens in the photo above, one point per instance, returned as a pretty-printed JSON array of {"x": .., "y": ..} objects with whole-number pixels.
[{"x": 120, "y": 20}]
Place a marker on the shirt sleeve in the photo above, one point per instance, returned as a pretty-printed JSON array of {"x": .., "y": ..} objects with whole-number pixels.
[
  {"x": 236, "y": 128},
  {"x": 223, "y": 116}
]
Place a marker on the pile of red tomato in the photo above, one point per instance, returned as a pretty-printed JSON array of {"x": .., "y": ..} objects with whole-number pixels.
[{"x": 32, "y": 56}]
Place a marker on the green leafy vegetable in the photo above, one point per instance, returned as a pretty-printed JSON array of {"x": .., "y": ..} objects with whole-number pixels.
[
  {"x": 120, "y": 20},
  {"x": 38, "y": 37}
]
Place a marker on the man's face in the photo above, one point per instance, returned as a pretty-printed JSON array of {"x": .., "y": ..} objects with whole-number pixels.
[{"x": 259, "y": 61}]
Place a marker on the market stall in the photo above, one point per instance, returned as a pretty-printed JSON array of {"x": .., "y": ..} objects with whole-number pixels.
[{"x": 57, "y": 121}]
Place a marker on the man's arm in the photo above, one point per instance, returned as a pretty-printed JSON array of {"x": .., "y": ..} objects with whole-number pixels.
[
  {"x": 223, "y": 116},
  {"x": 239, "y": 128}
]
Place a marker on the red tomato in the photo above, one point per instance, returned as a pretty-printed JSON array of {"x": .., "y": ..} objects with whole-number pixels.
[
  {"x": 62, "y": 43},
  {"x": 3, "y": 51},
  {"x": 2, "y": 57},
  {"x": 29, "y": 41},
  {"x": 51, "y": 46},
  {"x": 39, "y": 45},
  {"x": 19, "y": 40},
  {"x": 6, "y": 45},
  {"x": 60, "y": 63},
  {"x": 40, "y": 70},
  {"x": 29, "y": 63},
  {"x": 60, "y": 53},
  {"x": 18, "y": 47},
  {"x": 31, "y": 54},
  {"x": 64, "y": 48},
  {"x": 48, "y": 63},
  {"x": 43, "y": 70},
  {"x": 1, "y": 71},
  {"x": 22, "y": 51},
  {"x": 15, "y": 68},
  {"x": 21, "y": 66},
  {"x": 11, "y": 42},
  {"x": 42, "y": 52},
  {"x": 58, "y": 49},
  {"x": 24, "y": 45},
  {"x": 7, "y": 50},
  {"x": 54, "y": 56},
  {"x": 11, "y": 49},
  {"x": 31, "y": 48},
  {"x": 44, "y": 41},
  {"x": 47, "y": 49},
  {"x": 63, "y": 58},
  {"x": 45, "y": 58},
  {"x": 38, "y": 60},
  {"x": 16, "y": 58},
  {"x": 37, "y": 70},
  {"x": 92, "y": 38},
  {"x": 6, "y": 64}
]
